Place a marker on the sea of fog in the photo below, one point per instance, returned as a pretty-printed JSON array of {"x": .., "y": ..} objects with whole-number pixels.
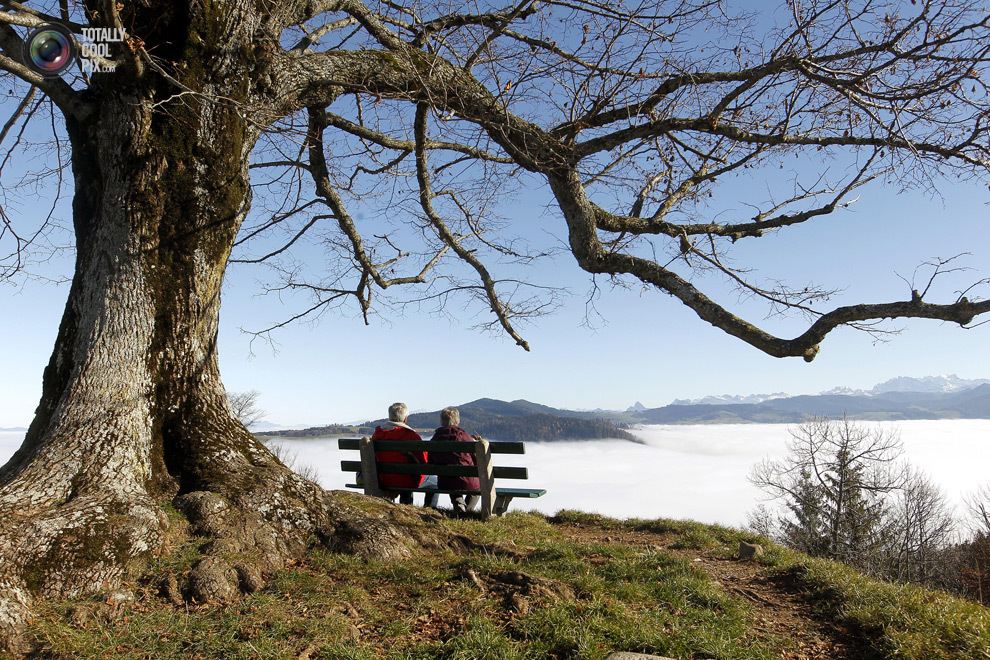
[{"x": 684, "y": 472}]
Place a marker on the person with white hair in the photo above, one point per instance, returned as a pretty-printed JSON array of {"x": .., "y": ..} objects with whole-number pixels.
[
  {"x": 450, "y": 431},
  {"x": 396, "y": 429}
]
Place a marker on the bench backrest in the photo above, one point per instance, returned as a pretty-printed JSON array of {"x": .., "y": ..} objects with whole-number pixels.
[
  {"x": 498, "y": 472},
  {"x": 483, "y": 468}
]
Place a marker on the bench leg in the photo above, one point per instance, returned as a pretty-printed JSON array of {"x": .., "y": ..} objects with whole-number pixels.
[
  {"x": 502, "y": 503},
  {"x": 483, "y": 461},
  {"x": 369, "y": 469}
]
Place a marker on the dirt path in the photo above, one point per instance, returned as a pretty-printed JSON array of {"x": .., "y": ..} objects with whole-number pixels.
[{"x": 776, "y": 607}]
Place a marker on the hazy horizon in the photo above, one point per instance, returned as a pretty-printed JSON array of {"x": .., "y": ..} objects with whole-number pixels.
[{"x": 268, "y": 422}]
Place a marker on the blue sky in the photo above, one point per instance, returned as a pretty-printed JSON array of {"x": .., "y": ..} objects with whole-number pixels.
[{"x": 646, "y": 346}]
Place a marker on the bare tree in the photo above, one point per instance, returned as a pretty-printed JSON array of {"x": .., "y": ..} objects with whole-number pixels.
[
  {"x": 844, "y": 494},
  {"x": 922, "y": 527},
  {"x": 245, "y": 407},
  {"x": 290, "y": 459},
  {"x": 390, "y": 131},
  {"x": 832, "y": 485},
  {"x": 975, "y": 552},
  {"x": 978, "y": 507}
]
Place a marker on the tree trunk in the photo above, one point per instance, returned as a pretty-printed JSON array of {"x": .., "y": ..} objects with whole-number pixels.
[{"x": 133, "y": 412}]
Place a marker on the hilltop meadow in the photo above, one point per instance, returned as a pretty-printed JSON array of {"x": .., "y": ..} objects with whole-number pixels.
[{"x": 527, "y": 585}]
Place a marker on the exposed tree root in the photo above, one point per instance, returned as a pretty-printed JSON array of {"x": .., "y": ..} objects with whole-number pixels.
[
  {"x": 88, "y": 546},
  {"x": 517, "y": 588},
  {"x": 82, "y": 546}
]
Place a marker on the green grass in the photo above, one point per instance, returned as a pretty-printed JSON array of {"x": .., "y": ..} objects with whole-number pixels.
[
  {"x": 897, "y": 620},
  {"x": 586, "y": 599}
]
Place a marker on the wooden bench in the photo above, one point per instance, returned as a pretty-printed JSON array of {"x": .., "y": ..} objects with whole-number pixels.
[{"x": 494, "y": 501}]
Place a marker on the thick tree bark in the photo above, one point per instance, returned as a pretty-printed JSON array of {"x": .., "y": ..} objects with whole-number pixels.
[{"x": 133, "y": 413}]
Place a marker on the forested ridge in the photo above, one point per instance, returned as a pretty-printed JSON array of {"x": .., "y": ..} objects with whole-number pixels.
[
  {"x": 498, "y": 420},
  {"x": 545, "y": 427}
]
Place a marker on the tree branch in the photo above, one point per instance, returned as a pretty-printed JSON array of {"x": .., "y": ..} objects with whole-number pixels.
[
  {"x": 66, "y": 98},
  {"x": 321, "y": 177},
  {"x": 389, "y": 142},
  {"x": 592, "y": 257},
  {"x": 500, "y": 309}
]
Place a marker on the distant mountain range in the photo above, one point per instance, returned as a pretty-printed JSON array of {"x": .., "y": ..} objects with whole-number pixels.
[
  {"x": 966, "y": 404},
  {"x": 930, "y": 384},
  {"x": 934, "y": 397},
  {"x": 728, "y": 399}
]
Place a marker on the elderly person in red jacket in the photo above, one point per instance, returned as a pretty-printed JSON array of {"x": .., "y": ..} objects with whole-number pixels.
[
  {"x": 450, "y": 431},
  {"x": 396, "y": 429}
]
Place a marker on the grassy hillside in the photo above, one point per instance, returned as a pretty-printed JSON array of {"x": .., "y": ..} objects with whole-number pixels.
[{"x": 527, "y": 586}]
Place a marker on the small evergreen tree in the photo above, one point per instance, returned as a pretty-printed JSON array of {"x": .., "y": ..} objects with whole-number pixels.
[{"x": 805, "y": 528}]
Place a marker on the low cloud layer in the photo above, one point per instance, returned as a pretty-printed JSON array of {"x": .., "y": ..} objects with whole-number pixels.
[{"x": 683, "y": 472}]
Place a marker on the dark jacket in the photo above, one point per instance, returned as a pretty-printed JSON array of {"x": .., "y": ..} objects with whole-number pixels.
[
  {"x": 385, "y": 456},
  {"x": 447, "y": 434}
]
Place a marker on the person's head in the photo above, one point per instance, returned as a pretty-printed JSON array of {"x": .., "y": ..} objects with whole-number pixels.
[
  {"x": 450, "y": 417},
  {"x": 398, "y": 412}
]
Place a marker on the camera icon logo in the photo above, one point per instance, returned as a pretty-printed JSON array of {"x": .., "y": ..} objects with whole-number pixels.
[{"x": 49, "y": 49}]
